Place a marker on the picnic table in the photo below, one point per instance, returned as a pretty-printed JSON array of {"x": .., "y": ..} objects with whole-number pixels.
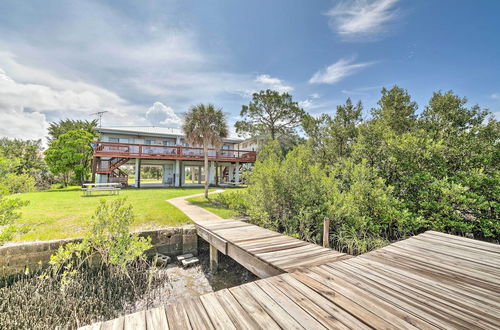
[{"x": 113, "y": 188}]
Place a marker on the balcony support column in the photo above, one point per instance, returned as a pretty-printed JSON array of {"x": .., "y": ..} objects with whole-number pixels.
[
  {"x": 177, "y": 173},
  {"x": 137, "y": 173},
  {"x": 212, "y": 173},
  {"x": 237, "y": 174},
  {"x": 230, "y": 172}
]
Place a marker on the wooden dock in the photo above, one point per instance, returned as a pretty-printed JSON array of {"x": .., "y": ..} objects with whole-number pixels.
[
  {"x": 263, "y": 252},
  {"x": 430, "y": 281}
]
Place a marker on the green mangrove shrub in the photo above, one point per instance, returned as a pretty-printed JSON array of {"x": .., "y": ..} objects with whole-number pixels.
[
  {"x": 108, "y": 242},
  {"x": 98, "y": 278}
]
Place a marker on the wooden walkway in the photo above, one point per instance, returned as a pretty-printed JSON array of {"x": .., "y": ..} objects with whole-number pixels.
[
  {"x": 263, "y": 252},
  {"x": 430, "y": 281}
]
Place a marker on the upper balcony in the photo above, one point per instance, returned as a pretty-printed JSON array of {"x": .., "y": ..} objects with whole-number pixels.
[{"x": 147, "y": 151}]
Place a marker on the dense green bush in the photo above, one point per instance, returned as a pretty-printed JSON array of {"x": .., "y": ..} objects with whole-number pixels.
[
  {"x": 9, "y": 213},
  {"x": 108, "y": 241},
  {"x": 232, "y": 199},
  {"x": 287, "y": 194},
  {"x": 294, "y": 194},
  {"x": 17, "y": 183},
  {"x": 24, "y": 158},
  {"x": 382, "y": 179}
]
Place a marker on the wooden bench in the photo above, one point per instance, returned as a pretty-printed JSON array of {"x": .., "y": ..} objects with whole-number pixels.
[{"x": 112, "y": 188}]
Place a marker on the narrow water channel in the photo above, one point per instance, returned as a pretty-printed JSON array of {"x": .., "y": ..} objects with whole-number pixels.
[{"x": 184, "y": 283}]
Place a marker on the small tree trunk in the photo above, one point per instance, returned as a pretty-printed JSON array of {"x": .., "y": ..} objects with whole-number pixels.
[{"x": 205, "y": 151}]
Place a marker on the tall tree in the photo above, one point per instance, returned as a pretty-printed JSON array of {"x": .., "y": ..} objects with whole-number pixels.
[
  {"x": 462, "y": 129},
  {"x": 347, "y": 118},
  {"x": 26, "y": 158},
  {"x": 333, "y": 137},
  {"x": 28, "y": 152},
  {"x": 270, "y": 114},
  {"x": 64, "y": 126},
  {"x": 397, "y": 110},
  {"x": 206, "y": 126},
  {"x": 70, "y": 154}
]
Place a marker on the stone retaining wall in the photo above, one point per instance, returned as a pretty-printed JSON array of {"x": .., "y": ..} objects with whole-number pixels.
[{"x": 15, "y": 257}]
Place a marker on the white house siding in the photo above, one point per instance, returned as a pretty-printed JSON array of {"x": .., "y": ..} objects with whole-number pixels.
[{"x": 173, "y": 170}]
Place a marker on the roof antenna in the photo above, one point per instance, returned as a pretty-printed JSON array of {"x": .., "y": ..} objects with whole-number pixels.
[{"x": 99, "y": 114}]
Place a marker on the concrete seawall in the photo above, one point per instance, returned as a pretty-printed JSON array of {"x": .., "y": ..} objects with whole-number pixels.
[{"x": 16, "y": 256}]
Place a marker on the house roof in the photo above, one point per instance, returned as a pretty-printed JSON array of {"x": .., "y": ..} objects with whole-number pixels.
[{"x": 156, "y": 131}]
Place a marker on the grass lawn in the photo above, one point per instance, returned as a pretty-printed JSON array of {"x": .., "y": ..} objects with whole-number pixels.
[
  {"x": 55, "y": 214},
  {"x": 221, "y": 211},
  {"x": 131, "y": 180}
]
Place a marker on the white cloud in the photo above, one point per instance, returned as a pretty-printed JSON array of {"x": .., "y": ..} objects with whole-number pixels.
[
  {"x": 51, "y": 96},
  {"x": 19, "y": 124},
  {"x": 273, "y": 83},
  {"x": 306, "y": 104},
  {"x": 315, "y": 96},
  {"x": 337, "y": 71},
  {"x": 495, "y": 96},
  {"x": 27, "y": 108},
  {"x": 98, "y": 57},
  {"x": 159, "y": 114},
  {"x": 360, "y": 19}
]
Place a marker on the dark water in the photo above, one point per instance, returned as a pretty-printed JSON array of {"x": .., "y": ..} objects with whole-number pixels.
[
  {"x": 229, "y": 274},
  {"x": 184, "y": 283}
]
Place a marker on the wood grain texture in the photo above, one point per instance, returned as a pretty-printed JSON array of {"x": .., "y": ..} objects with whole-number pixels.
[{"x": 431, "y": 281}]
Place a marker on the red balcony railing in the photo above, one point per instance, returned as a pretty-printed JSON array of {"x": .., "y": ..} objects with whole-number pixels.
[{"x": 128, "y": 150}]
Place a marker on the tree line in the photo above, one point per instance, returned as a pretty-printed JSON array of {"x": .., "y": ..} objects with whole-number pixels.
[
  {"x": 380, "y": 179},
  {"x": 395, "y": 174},
  {"x": 25, "y": 167}
]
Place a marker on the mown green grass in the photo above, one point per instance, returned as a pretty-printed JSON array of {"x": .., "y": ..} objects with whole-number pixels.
[
  {"x": 55, "y": 214},
  {"x": 220, "y": 210}
]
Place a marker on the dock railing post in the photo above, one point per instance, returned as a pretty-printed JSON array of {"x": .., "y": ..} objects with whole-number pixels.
[{"x": 326, "y": 232}]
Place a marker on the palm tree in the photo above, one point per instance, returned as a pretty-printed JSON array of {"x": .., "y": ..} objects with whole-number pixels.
[{"x": 205, "y": 125}]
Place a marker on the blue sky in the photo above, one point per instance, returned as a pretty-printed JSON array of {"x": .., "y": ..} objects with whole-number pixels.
[{"x": 146, "y": 62}]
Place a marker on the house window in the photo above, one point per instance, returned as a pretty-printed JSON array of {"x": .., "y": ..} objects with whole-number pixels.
[
  {"x": 123, "y": 140},
  {"x": 148, "y": 141},
  {"x": 168, "y": 142},
  {"x": 116, "y": 140}
]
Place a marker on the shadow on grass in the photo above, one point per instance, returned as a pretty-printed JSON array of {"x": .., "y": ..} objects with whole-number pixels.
[{"x": 62, "y": 190}]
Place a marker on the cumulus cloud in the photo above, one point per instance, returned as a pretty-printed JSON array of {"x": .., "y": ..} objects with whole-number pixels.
[
  {"x": 306, "y": 104},
  {"x": 337, "y": 71},
  {"x": 114, "y": 61},
  {"x": 160, "y": 114},
  {"x": 361, "y": 19},
  {"x": 20, "y": 124},
  {"x": 27, "y": 108},
  {"x": 273, "y": 83}
]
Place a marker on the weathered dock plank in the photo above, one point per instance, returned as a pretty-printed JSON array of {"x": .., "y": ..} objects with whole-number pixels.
[
  {"x": 263, "y": 252},
  {"x": 418, "y": 283}
]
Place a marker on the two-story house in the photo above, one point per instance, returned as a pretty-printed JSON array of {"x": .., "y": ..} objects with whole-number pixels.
[{"x": 165, "y": 147}]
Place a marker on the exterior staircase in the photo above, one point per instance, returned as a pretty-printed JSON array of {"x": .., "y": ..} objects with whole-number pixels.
[
  {"x": 108, "y": 166},
  {"x": 112, "y": 168},
  {"x": 118, "y": 176}
]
